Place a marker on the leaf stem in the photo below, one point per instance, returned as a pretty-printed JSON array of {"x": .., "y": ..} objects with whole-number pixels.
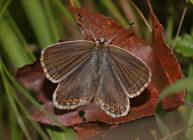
[
  {"x": 188, "y": 104},
  {"x": 176, "y": 132},
  {"x": 180, "y": 24},
  {"x": 142, "y": 16}
]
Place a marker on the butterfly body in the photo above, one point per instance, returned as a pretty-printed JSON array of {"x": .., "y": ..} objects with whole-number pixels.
[{"x": 95, "y": 72}]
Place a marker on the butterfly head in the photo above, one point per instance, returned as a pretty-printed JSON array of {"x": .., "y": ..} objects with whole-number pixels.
[{"x": 102, "y": 41}]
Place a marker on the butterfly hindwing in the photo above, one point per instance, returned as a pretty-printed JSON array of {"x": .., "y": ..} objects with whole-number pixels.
[
  {"x": 61, "y": 59},
  {"x": 110, "y": 95},
  {"x": 77, "y": 89}
]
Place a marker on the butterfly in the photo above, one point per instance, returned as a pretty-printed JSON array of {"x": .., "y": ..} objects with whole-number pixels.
[{"x": 94, "y": 72}]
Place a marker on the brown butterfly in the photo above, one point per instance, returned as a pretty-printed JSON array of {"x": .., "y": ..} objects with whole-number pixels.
[{"x": 96, "y": 72}]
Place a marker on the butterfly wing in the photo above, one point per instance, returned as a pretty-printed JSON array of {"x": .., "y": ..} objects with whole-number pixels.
[
  {"x": 77, "y": 89},
  {"x": 133, "y": 74},
  {"x": 62, "y": 59},
  {"x": 109, "y": 94},
  {"x": 123, "y": 76}
]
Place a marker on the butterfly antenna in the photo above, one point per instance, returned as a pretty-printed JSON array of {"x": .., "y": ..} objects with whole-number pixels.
[
  {"x": 92, "y": 35},
  {"x": 80, "y": 16},
  {"x": 115, "y": 35}
]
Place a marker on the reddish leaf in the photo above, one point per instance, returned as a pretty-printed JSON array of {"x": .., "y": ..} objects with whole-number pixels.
[
  {"x": 31, "y": 76},
  {"x": 140, "y": 106},
  {"x": 162, "y": 62},
  {"x": 167, "y": 60}
]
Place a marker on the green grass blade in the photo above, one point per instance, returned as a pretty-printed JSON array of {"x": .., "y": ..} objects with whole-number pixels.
[
  {"x": 56, "y": 134},
  {"x": 189, "y": 134},
  {"x": 2, "y": 102},
  {"x": 15, "y": 132},
  {"x": 11, "y": 46},
  {"x": 191, "y": 1},
  {"x": 77, "y": 3},
  {"x": 20, "y": 36},
  {"x": 22, "y": 90},
  {"x": 111, "y": 7},
  {"x": 164, "y": 129},
  {"x": 34, "y": 124},
  {"x": 53, "y": 25},
  {"x": 3, "y": 6},
  {"x": 1, "y": 122},
  {"x": 188, "y": 98},
  {"x": 22, "y": 107},
  {"x": 30, "y": 98},
  {"x": 170, "y": 26},
  {"x": 188, "y": 112},
  {"x": 154, "y": 134},
  {"x": 38, "y": 21},
  {"x": 2, "y": 105},
  {"x": 66, "y": 12},
  {"x": 180, "y": 85},
  {"x": 10, "y": 92}
]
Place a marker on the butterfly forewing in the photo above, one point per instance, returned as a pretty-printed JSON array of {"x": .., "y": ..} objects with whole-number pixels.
[
  {"x": 61, "y": 59},
  {"x": 132, "y": 73}
]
